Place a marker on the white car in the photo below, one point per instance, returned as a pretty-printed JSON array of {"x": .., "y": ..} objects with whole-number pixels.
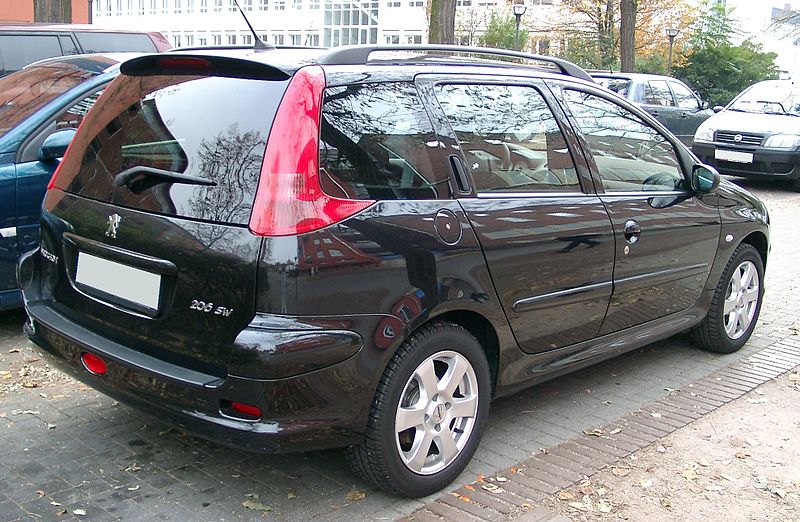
[{"x": 757, "y": 135}]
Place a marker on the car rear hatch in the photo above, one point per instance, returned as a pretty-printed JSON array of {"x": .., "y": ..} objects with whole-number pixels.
[{"x": 147, "y": 217}]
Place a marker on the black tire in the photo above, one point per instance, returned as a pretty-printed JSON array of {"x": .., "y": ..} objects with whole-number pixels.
[
  {"x": 711, "y": 333},
  {"x": 380, "y": 458}
]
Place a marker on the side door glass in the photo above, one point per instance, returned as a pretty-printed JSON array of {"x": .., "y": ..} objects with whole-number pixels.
[
  {"x": 684, "y": 97},
  {"x": 17, "y": 51},
  {"x": 629, "y": 154},
  {"x": 509, "y": 137}
]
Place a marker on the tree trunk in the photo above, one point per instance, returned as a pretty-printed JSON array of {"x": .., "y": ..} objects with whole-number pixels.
[
  {"x": 441, "y": 27},
  {"x": 627, "y": 30},
  {"x": 52, "y": 11}
]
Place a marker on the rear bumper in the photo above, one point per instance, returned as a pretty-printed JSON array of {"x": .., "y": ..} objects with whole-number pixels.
[
  {"x": 767, "y": 163},
  {"x": 320, "y": 409}
]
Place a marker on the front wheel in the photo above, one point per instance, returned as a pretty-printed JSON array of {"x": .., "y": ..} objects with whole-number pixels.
[
  {"x": 428, "y": 413},
  {"x": 735, "y": 305}
]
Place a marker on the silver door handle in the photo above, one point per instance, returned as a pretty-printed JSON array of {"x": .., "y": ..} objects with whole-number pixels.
[{"x": 8, "y": 232}]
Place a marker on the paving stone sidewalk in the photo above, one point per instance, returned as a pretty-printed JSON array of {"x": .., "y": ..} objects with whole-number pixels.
[{"x": 78, "y": 450}]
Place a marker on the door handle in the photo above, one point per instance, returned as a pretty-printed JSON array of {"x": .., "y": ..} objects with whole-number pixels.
[
  {"x": 654, "y": 114},
  {"x": 632, "y": 231},
  {"x": 684, "y": 115}
]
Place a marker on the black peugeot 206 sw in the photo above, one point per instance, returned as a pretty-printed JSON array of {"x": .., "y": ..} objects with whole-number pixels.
[{"x": 294, "y": 249}]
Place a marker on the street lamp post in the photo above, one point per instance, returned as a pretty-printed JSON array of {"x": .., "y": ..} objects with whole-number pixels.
[
  {"x": 518, "y": 9},
  {"x": 671, "y": 34}
]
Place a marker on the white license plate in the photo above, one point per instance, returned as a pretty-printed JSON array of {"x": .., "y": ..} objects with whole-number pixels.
[
  {"x": 735, "y": 156},
  {"x": 120, "y": 280}
]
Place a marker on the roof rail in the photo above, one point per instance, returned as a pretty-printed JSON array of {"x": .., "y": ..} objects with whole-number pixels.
[{"x": 359, "y": 55}]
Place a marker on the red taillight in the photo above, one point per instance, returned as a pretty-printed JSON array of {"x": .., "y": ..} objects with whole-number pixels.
[
  {"x": 290, "y": 199},
  {"x": 185, "y": 63},
  {"x": 247, "y": 409},
  {"x": 93, "y": 363}
]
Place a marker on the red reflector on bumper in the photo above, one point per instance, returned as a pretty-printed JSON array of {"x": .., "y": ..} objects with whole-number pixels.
[
  {"x": 93, "y": 363},
  {"x": 247, "y": 409}
]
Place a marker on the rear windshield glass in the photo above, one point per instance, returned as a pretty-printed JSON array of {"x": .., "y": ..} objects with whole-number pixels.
[
  {"x": 25, "y": 92},
  {"x": 177, "y": 145},
  {"x": 620, "y": 86},
  {"x": 115, "y": 42}
]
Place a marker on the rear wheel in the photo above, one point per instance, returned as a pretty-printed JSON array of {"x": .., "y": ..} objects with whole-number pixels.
[
  {"x": 736, "y": 303},
  {"x": 428, "y": 413}
]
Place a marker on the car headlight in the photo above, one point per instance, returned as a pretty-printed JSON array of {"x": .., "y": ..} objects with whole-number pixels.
[
  {"x": 783, "y": 141},
  {"x": 704, "y": 133}
]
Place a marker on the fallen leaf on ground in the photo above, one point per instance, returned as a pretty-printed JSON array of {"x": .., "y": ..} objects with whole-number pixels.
[
  {"x": 578, "y": 506},
  {"x": 620, "y": 472},
  {"x": 492, "y": 488},
  {"x": 601, "y": 491},
  {"x": 469, "y": 487},
  {"x": 655, "y": 415},
  {"x": 752, "y": 442},
  {"x": 464, "y": 498},
  {"x": 794, "y": 377},
  {"x": 79, "y": 512},
  {"x": 615, "y": 431},
  {"x": 133, "y": 468},
  {"x": 742, "y": 454},
  {"x": 256, "y": 506},
  {"x": 689, "y": 474},
  {"x": 480, "y": 477},
  {"x": 780, "y": 492},
  {"x": 565, "y": 495},
  {"x": 604, "y": 508},
  {"x": 594, "y": 432},
  {"x": 704, "y": 463},
  {"x": 61, "y": 512},
  {"x": 661, "y": 449},
  {"x": 134, "y": 488},
  {"x": 14, "y": 350},
  {"x": 356, "y": 494},
  {"x": 54, "y": 503},
  {"x": 500, "y": 479},
  {"x": 665, "y": 502}
]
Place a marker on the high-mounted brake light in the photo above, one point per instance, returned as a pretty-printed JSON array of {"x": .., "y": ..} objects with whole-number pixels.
[
  {"x": 184, "y": 63},
  {"x": 290, "y": 199}
]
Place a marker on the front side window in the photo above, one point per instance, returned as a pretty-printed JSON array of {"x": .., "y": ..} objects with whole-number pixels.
[
  {"x": 509, "y": 137},
  {"x": 684, "y": 97},
  {"x": 629, "y": 154},
  {"x": 378, "y": 143}
]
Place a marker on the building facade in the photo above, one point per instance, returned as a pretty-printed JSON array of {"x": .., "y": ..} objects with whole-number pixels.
[
  {"x": 51, "y": 11},
  {"x": 327, "y": 23}
]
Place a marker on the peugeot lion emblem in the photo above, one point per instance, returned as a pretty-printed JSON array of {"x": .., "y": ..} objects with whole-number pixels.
[
  {"x": 737, "y": 138},
  {"x": 113, "y": 225}
]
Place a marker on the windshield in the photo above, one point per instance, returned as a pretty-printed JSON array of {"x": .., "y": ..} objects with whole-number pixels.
[
  {"x": 771, "y": 97},
  {"x": 25, "y": 92}
]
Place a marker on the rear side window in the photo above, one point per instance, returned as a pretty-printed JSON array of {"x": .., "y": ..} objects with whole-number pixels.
[
  {"x": 115, "y": 42},
  {"x": 656, "y": 92},
  {"x": 510, "y": 139},
  {"x": 178, "y": 145},
  {"x": 17, "y": 51},
  {"x": 378, "y": 143}
]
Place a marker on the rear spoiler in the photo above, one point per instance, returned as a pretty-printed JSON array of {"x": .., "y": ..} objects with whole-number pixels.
[{"x": 201, "y": 65}]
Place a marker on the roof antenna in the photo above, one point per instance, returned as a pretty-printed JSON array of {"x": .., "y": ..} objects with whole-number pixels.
[{"x": 260, "y": 44}]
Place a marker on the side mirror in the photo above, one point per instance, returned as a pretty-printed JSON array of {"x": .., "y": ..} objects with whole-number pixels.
[
  {"x": 705, "y": 178},
  {"x": 55, "y": 145},
  {"x": 718, "y": 108},
  {"x": 704, "y": 106}
]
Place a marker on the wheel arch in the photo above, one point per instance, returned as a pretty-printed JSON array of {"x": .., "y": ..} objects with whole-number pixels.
[
  {"x": 481, "y": 328},
  {"x": 758, "y": 240}
]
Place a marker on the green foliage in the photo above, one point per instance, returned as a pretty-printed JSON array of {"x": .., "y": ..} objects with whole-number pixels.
[
  {"x": 651, "y": 64},
  {"x": 500, "y": 33},
  {"x": 586, "y": 53},
  {"x": 719, "y": 70}
]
